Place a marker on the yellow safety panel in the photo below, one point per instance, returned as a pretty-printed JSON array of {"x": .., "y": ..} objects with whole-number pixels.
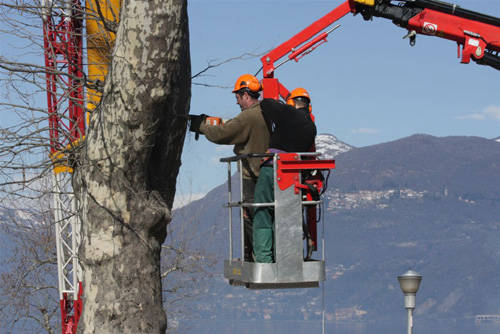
[
  {"x": 60, "y": 159},
  {"x": 366, "y": 2},
  {"x": 100, "y": 43},
  {"x": 60, "y": 162},
  {"x": 62, "y": 169}
]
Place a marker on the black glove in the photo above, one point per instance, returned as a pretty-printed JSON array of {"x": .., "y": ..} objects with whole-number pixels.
[{"x": 195, "y": 122}]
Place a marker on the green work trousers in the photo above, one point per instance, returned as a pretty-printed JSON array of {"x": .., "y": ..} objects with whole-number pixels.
[{"x": 263, "y": 220}]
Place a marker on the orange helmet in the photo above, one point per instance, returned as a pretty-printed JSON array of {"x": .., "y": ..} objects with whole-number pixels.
[
  {"x": 247, "y": 81},
  {"x": 298, "y": 93}
]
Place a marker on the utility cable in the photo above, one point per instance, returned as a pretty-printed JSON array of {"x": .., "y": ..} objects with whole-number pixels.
[
  {"x": 324, "y": 282},
  {"x": 323, "y": 306},
  {"x": 260, "y": 69}
]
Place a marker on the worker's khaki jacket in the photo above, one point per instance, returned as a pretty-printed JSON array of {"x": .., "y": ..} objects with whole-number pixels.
[{"x": 247, "y": 131}]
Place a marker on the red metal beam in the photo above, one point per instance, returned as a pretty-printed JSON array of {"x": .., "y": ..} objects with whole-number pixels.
[
  {"x": 62, "y": 35},
  {"x": 290, "y": 166},
  {"x": 64, "y": 77},
  {"x": 277, "y": 53},
  {"x": 474, "y": 36}
]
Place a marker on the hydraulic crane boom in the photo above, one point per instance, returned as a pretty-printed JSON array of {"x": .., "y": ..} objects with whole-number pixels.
[{"x": 477, "y": 35}]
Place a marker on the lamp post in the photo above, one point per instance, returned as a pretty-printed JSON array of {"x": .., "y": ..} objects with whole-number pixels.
[{"x": 410, "y": 282}]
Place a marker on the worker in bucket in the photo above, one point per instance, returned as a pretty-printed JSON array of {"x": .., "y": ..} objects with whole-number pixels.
[
  {"x": 293, "y": 130},
  {"x": 248, "y": 133}
]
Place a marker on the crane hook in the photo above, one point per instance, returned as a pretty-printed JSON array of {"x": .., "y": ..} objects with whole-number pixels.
[{"x": 412, "y": 35}]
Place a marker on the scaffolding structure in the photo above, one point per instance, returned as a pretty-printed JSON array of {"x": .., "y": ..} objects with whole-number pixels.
[{"x": 62, "y": 35}]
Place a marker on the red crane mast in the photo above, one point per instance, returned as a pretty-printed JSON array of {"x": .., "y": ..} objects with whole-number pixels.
[{"x": 62, "y": 35}]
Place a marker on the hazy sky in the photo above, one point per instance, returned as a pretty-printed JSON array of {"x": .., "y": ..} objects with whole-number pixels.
[{"x": 367, "y": 84}]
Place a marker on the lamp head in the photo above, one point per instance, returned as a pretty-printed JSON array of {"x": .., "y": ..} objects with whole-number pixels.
[{"x": 410, "y": 282}]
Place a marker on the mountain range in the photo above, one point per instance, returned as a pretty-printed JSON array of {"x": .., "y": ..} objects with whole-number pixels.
[
  {"x": 431, "y": 204},
  {"x": 427, "y": 203}
]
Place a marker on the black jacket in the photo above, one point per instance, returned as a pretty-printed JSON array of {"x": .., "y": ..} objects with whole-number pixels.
[{"x": 292, "y": 130}]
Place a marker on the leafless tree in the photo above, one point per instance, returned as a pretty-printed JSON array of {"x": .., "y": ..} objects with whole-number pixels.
[
  {"x": 29, "y": 299},
  {"x": 28, "y": 293},
  {"x": 125, "y": 170},
  {"x": 125, "y": 173},
  {"x": 28, "y": 283},
  {"x": 186, "y": 267}
]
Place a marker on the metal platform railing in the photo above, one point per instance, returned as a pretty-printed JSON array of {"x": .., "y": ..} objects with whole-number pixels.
[{"x": 230, "y": 204}]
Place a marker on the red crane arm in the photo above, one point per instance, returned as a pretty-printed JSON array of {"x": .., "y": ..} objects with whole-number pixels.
[
  {"x": 474, "y": 36},
  {"x": 477, "y": 34},
  {"x": 280, "y": 51},
  {"x": 272, "y": 88}
]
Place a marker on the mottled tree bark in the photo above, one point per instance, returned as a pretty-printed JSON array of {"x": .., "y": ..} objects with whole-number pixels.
[{"x": 126, "y": 177}]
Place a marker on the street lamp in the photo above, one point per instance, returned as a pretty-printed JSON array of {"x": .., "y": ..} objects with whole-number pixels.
[{"x": 410, "y": 282}]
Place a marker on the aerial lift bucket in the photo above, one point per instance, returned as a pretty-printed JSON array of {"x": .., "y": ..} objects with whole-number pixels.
[{"x": 290, "y": 269}]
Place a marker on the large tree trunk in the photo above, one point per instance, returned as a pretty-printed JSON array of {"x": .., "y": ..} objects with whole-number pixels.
[{"x": 126, "y": 177}]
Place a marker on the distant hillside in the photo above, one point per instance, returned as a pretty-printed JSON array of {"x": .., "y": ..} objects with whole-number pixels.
[
  {"x": 421, "y": 202},
  {"x": 463, "y": 165}
]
